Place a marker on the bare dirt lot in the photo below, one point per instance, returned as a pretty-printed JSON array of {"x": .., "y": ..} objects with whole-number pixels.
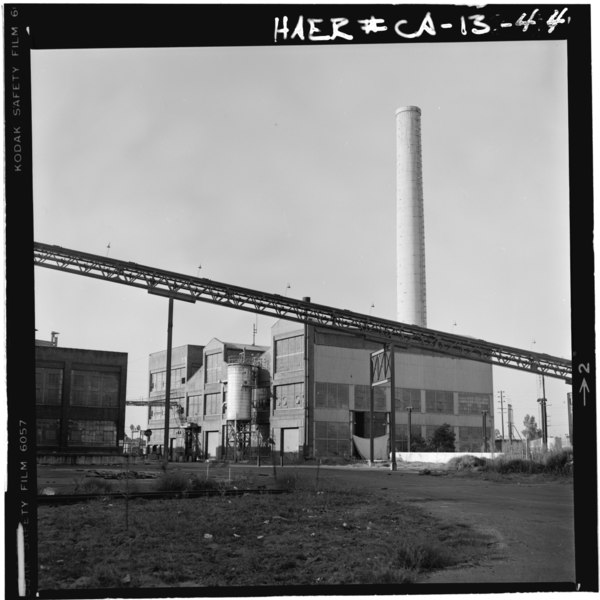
[
  {"x": 531, "y": 518},
  {"x": 523, "y": 525}
]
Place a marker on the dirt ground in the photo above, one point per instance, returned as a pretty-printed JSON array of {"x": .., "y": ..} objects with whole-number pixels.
[{"x": 530, "y": 519}]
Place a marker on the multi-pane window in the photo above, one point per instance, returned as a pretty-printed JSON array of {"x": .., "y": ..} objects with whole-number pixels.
[
  {"x": 408, "y": 397},
  {"x": 402, "y": 436},
  {"x": 194, "y": 406},
  {"x": 158, "y": 380},
  {"x": 289, "y": 354},
  {"x": 470, "y": 404},
  {"x": 92, "y": 433},
  {"x": 47, "y": 431},
  {"x": 48, "y": 386},
  {"x": 213, "y": 404},
  {"x": 94, "y": 388},
  {"x": 362, "y": 397},
  {"x": 157, "y": 411},
  {"x": 470, "y": 439},
  {"x": 439, "y": 402},
  {"x": 213, "y": 367},
  {"x": 332, "y": 439},
  {"x": 289, "y": 396},
  {"x": 402, "y": 431},
  {"x": 332, "y": 395}
]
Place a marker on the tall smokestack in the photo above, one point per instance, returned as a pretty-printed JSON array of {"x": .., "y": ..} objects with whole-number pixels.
[{"x": 410, "y": 226}]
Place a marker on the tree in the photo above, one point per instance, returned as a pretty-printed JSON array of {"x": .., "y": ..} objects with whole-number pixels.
[
  {"x": 418, "y": 444},
  {"x": 443, "y": 439},
  {"x": 531, "y": 431}
]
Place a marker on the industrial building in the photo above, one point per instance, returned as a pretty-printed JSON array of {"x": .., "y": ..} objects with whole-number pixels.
[
  {"x": 308, "y": 394},
  {"x": 80, "y": 402}
]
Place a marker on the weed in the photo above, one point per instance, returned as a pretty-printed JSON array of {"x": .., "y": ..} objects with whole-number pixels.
[
  {"x": 423, "y": 556},
  {"x": 92, "y": 486},
  {"x": 295, "y": 538},
  {"x": 558, "y": 463},
  {"x": 467, "y": 461},
  {"x": 172, "y": 481},
  {"x": 514, "y": 465},
  {"x": 196, "y": 483}
]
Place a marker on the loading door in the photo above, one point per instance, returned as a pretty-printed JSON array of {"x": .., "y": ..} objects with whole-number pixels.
[
  {"x": 290, "y": 441},
  {"x": 212, "y": 442}
]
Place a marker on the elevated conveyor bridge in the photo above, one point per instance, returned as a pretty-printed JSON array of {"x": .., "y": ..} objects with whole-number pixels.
[{"x": 192, "y": 289}]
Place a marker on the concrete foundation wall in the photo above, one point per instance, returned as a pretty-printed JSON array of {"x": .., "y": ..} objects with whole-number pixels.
[{"x": 440, "y": 457}]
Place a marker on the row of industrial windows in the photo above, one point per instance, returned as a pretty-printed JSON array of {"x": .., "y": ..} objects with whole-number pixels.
[
  {"x": 88, "y": 388},
  {"x": 337, "y": 395},
  {"x": 79, "y": 433},
  {"x": 196, "y": 408},
  {"x": 158, "y": 411},
  {"x": 289, "y": 354},
  {"x": 332, "y": 395},
  {"x": 332, "y": 438},
  {"x": 158, "y": 380},
  {"x": 289, "y": 396}
]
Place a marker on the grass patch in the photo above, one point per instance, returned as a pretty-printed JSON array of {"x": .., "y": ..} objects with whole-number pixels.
[
  {"x": 92, "y": 485},
  {"x": 552, "y": 463},
  {"x": 459, "y": 463},
  {"x": 326, "y": 536}
]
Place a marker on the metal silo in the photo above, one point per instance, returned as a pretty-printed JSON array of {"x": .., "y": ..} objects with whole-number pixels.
[
  {"x": 240, "y": 382},
  {"x": 410, "y": 225}
]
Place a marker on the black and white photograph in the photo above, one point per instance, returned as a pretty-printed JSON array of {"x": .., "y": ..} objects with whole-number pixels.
[{"x": 311, "y": 305}]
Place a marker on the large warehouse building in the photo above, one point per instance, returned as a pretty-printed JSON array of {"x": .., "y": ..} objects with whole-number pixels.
[
  {"x": 80, "y": 403},
  {"x": 308, "y": 395}
]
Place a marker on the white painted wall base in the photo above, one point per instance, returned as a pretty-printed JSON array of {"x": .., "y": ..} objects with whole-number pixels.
[{"x": 440, "y": 457}]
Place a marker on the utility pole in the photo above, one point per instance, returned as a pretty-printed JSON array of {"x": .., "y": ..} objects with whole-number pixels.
[
  {"x": 168, "y": 384},
  {"x": 510, "y": 423},
  {"x": 392, "y": 407},
  {"x": 501, "y": 392},
  {"x": 544, "y": 416},
  {"x": 570, "y": 416},
  {"x": 371, "y": 415},
  {"x": 409, "y": 409},
  {"x": 484, "y": 429}
]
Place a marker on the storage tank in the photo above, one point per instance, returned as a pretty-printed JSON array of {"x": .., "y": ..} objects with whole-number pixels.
[{"x": 240, "y": 382}]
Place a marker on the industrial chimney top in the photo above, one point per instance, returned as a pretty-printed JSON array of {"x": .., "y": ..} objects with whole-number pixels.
[{"x": 407, "y": 108}]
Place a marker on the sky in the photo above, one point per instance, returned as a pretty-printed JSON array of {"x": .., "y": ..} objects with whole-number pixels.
[{"x": 268, "y": 166}]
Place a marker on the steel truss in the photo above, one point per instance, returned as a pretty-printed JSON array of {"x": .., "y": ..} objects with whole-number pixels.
[{"x": 192, "y": 289}]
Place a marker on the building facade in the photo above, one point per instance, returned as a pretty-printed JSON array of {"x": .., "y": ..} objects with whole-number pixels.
[
  {"x": 308, "y": 396},
  {"x": 80, "y": 401},
  {"x": 218, "y": 407}
]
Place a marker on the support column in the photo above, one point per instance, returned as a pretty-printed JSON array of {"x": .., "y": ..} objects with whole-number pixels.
[{"x": 166, "y": 444}]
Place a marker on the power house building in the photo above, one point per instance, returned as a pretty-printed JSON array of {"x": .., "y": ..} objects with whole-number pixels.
[{"x": 308, "y": 395}]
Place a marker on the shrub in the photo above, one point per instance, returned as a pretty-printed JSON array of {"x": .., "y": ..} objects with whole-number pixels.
[
  {"x": 559, "y": 463},
  {"x": 514, "y": 465},
  {"x": 196, "y": 483},
  {"x": 467, "y": 461},
  {"x": 93, "y": 486},
  {"x": 172, "y": 481},
  {"x": 423, "y": 556}
]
